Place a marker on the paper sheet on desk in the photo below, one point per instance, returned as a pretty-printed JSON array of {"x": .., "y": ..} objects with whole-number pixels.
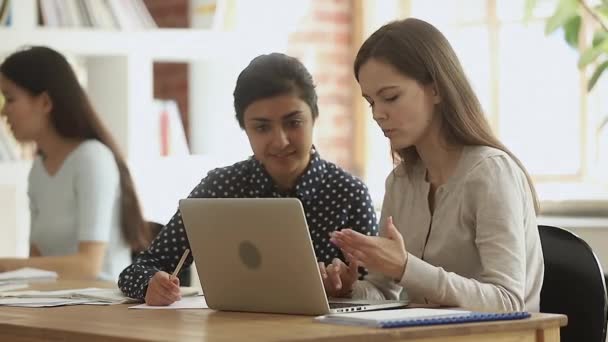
[
  {"x": 26, "y": 274},
  {"x": 92, "y": 294},
  {"x": 12, "y": 287},
  {"x": 197, "y": 302},
  {"x": 40, "y": 302}
]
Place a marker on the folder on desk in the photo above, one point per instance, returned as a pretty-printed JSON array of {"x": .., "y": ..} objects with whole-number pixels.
[{"x": 417, "y": 317}]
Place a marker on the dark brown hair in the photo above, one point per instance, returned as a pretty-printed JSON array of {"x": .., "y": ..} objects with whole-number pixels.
[
  {"x": 420, "y": 51},
  {"x": 273, "y": 75},
  {"x": 40, "y": 70}
]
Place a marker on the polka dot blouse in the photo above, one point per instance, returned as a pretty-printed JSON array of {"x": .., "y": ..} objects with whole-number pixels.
[{"x": 331, "y": 197}]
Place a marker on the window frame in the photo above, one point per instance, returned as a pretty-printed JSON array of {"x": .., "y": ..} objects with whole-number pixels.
[{"x": 583, "y": 176}]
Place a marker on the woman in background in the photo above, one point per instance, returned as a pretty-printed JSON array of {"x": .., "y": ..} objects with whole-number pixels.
[
  {"x": 458, "y": 224},
  {"x": 276, "y": 104},
  {"x": 85, "y": 216}
]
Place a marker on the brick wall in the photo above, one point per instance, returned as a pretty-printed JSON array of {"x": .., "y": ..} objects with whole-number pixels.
[
  {"x": 323, "y": 42},
  {"x": 171, "y": 79}
]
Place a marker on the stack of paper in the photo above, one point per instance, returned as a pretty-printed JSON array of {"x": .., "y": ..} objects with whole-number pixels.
[
  {"x": 109, "y": 296},
  {"x": 40, "y": 302},
  {"x": 24, "y": 275},
  {"x": 89, "y": 296},
  {"x": 93, "y": 296},
  {"x": 12, "y": 287}
]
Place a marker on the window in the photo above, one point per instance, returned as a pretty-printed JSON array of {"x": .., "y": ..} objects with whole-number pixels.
[{"x": 531, "y": 90}]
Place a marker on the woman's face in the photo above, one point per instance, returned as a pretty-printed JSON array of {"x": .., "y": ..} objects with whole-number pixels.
[
  {"x": 26, "y": 114},
  {"x": 401, "y": 106},
  {"x": 280, "y": 133}
]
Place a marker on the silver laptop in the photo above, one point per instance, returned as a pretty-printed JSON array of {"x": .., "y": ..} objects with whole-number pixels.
[{"x": 255, "y": 254}]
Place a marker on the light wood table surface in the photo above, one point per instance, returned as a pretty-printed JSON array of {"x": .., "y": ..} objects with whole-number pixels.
[{"x": 117, "y": 323}]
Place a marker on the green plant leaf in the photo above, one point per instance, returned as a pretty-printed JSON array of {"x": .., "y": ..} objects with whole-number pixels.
[
  {"x": 529, "y": 7},
  {"x": 599, "y": 37},
  {"x": 602, "y": 11},
  {"x": 592, "y": 53},
  {"x": 571, "y": 31},
  {"x": 596, "y": 75},
  {"x": 565, "y": 11}
]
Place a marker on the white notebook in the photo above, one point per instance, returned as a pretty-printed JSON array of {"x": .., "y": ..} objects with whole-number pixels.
[{"x": 416, "y": 317}]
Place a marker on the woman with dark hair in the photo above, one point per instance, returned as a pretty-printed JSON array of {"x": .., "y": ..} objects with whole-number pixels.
[
  {"x": 85, "y": 216},
  {"x": 276, "y": 104},
  {"x": 458, "y": 224}
]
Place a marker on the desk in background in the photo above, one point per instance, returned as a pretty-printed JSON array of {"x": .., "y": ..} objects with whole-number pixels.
[{"x": 117, "y": 323}]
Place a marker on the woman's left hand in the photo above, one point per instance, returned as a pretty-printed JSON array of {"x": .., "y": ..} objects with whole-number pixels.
[{"x": 382, "y": 254}]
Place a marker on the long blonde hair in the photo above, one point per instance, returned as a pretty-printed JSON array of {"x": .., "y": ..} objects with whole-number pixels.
[{"x": 420, "y": 51}]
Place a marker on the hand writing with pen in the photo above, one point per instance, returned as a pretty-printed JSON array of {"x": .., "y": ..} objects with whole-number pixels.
[{"x": 163, "y": 288}]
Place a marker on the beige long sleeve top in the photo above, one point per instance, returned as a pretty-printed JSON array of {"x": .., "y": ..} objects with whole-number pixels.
[{"x": 479, "y": 250}]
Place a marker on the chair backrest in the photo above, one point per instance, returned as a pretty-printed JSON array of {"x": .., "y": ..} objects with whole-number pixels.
[
  {"x": 573, "y": 285},
  {"x": 185, "y": 274}
]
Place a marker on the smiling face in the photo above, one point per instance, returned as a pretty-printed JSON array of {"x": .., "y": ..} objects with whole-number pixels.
[
  {"x": 27, "y": 115},
  {"x": 279, "y": 129},
  {"x": 402, "y": 107}
]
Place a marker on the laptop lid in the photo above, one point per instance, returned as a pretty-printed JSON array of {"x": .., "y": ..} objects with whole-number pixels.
[{"x": 256, "y": 254}]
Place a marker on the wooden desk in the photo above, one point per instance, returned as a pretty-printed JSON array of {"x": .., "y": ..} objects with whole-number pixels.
[{"x": 116, "y": 323}]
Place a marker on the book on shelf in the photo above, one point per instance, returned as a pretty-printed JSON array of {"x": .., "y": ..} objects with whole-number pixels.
[
  {"x": 73, "y": 11},
  {"x": 103, "y": 14},
  {"x": 171, "y": 135},
  {"x": 49, "y": 13},
  {"x": 144, "y": 14},
  {"x": 5, "y": 12}
]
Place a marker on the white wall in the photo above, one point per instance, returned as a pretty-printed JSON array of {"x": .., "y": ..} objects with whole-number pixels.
[{"x": 14, "y": 209}]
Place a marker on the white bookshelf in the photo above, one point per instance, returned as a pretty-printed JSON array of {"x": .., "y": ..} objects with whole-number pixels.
[
  {"x": 180, "y": 45},
  {"x": 119, "y": 70},
  {"x": 120, "y": 65}
]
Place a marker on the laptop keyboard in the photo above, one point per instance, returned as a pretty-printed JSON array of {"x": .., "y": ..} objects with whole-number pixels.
[{"x": 343, "y": 305}]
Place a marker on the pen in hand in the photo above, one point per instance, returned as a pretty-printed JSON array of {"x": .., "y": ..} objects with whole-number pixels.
[{"x": 180, "y": 264}]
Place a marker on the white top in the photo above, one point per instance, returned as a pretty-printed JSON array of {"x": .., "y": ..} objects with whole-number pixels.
[
  {"x": 81, "y": 202},
  {"x": 483, "y": 250}
]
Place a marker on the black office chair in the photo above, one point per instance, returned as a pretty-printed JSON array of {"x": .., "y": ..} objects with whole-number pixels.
[
  {"x": 185, "y": 274},
  {"x": 574, "y": 285}
]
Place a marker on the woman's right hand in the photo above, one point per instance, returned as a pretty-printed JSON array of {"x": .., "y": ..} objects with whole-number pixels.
[
  {"x": 163, "y": 289},
  {"x": 339, "y": 278}
]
